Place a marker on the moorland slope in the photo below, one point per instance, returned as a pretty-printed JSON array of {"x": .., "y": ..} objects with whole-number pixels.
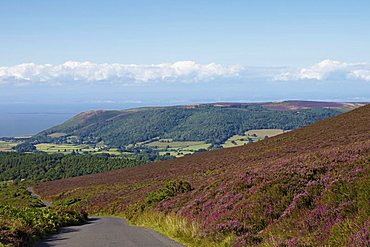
[{"x": 307, "y": 187}]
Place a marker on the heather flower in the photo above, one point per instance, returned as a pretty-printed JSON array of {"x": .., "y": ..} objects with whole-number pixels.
[{"x": 362, "y": 237}]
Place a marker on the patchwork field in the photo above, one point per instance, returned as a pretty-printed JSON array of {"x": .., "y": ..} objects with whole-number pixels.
[
  {"x": 51, "y": 148},
  {"x": 164, "y": 147},
  {"x": 182, "y": 148}
]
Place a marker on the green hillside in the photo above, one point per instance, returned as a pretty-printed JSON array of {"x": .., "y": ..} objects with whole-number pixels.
[{"x": 210, "y": 123}]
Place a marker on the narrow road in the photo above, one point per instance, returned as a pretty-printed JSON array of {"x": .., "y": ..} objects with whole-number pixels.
[{"x": 107, "y": 231}]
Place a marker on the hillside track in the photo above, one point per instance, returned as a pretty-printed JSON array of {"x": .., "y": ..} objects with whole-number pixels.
[{"x": 34, "y": 195}]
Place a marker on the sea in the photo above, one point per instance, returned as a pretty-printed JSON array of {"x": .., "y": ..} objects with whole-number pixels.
[{"x": 18, "y": 120}]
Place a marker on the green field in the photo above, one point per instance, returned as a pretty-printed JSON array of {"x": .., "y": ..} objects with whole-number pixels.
[
  {"x": 113, "y": 151},
  {"x": 51, "y": 148},
  {"x": 63, "y": 148},
  {"x": 262, "y": 133},
  {"x": 176, "y": 148},
  {"x": 169, "y": 144},
  {"x": 251, "y": 136},
  {"x": 7, "y": 146},
  {"x": 236, "y": 140},
  {"x": 57, "y": 134},
  {"x": 197, "y": 146}
]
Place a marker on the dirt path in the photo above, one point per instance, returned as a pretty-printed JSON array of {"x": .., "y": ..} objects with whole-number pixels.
[{"x": 33, "y": 194}]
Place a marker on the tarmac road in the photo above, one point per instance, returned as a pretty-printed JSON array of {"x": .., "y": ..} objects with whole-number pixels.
[{"x": 107, "y": 231}]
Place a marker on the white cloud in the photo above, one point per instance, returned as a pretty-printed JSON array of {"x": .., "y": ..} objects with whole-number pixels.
[
  {"x": 178, "y": 72},
  {"x": 328, "y": 70},
  {"x": 182, "y": 71},
  {"x": 361, "y": 74}
]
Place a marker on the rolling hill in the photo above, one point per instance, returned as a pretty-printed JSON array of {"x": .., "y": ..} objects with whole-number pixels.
[
  {"x": 306, "y": 187},
  {"x": 210, "y": 123}
]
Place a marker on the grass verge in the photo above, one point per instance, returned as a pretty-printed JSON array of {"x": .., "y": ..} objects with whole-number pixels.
[{"x": 177, "y": 228}]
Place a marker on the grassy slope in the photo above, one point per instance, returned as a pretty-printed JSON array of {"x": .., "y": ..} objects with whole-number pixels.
[{"x": 305, "y": 187}]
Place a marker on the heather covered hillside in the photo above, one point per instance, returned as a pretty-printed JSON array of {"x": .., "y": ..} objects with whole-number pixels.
[{"x": 307, "y": 187}]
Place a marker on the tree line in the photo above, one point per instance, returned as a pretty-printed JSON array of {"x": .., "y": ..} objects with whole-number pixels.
[{"x": 43, "y": 167}]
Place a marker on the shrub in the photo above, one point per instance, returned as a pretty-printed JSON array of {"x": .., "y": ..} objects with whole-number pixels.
[
  {"x": 170, "y": 189},
  {"x": 25, "y": 147},
  {"x": 22, "y": 226}
]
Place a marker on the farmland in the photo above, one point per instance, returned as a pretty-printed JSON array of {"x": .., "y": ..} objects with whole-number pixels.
[
  {"x": 64, "y": 148},
  {"x": 175, "y": 148},
  {"x": 51, "y": 148},
  {"x": 164, "y": 147},
  {"x": 306, "y": 187}
]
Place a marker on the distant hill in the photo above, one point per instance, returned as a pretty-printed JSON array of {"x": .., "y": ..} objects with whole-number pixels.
[
  {"x": 211, "y": 123},
  {"x": 306, "y": 187}
]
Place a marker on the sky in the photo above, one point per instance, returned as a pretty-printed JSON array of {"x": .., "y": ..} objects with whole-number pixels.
[{"x": 116, "y": 54}]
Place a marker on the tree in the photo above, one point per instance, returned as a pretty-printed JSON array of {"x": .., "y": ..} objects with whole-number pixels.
[{"x": 25, "y": 147}]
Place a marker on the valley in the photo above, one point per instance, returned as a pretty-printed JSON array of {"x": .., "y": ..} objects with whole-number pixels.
[
  {"x": 256, "y": 184},
  {"x": 307, "y": 187},
  {"x": 184, "y": 123},
  {"x": 176, "y": 131}
]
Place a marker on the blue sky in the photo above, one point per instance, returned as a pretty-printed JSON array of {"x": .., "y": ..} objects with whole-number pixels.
[
  {"x": 257, "y": 33},
  {"x": 112, "y": 53}
]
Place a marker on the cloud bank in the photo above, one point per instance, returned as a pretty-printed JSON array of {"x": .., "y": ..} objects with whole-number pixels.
[
  {"x": 72, "y": 71},
  {"x": 178, "y": 72},
  {"x": 329, "y": 70}
]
